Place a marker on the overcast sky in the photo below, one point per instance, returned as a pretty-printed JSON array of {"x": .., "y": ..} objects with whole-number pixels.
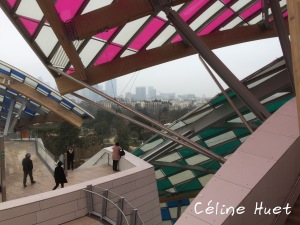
[{"x": 182, "y": 76}]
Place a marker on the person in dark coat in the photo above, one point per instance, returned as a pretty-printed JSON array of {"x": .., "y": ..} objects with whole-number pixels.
[
  {"x": 70, "y": 158},
  {"x": 59, "y": 176},
  {"x": 27, "y": 169}
]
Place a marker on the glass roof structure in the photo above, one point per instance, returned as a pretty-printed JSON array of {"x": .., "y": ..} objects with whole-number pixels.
[
  {"x": 181, "y": 171},
  {"x": 93, "y": 39},
  {"x": 33, "y": 101}
]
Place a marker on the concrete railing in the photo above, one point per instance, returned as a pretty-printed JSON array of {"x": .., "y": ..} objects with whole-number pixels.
[{"x": 136, "y": 182}]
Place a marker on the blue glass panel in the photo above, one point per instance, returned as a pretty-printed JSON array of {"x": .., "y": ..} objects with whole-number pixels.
[
  {"x": 18, "y": 74},
  {"x": 45, "y": 90},
  {"x": 165, "y": 214},
  {"x": 4, "y": 71},
  {"x": 29, "y": 111},
  {"x": 67, "y": 103},
  {"x": 54, "y": 98}
]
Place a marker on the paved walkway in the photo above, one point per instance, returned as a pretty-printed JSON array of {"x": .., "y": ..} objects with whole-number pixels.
[{"x": 14, "y": 154}]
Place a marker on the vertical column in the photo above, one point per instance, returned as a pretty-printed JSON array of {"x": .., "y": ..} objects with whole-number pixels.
[
  {"x": 2, "y": 167},
  {"x": 294, "y": 25}
]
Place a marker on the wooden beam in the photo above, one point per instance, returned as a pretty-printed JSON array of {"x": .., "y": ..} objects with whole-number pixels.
[
  {"x": 42, "y": 100},
  {"x": 294, "y": 21},
  {"x": 166, "y": 53},
  {"x": 49, "y": 10},
  {"x": 50, "y": 117},
  {"x": 116, "y": 14}
]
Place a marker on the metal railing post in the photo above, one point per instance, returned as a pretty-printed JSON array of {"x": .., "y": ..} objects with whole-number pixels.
[
  {"x": 89, "y": 196},
  {"x": 119, "y": 215},
  {"x": 104, "y": 203},
  {"x": 133, "y": 216}
]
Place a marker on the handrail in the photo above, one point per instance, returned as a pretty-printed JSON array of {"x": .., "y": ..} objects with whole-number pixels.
[
  {"x": 101, "y": 158},
  {"x": 119, "y": 196},
  {"x": 287, "y": 200},
  {"x": 110, "y": 202}
]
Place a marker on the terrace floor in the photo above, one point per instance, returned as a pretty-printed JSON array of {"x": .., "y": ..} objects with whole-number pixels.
[{"x": 15, "y": 152}]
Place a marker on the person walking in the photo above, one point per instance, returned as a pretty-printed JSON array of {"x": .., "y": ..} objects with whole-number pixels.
[
  {"x": 27, "y": 169},
  {"x": 116, "y": 156},
  {"x": 70, "y": 158},
  {"x": 59, "y": 176}
]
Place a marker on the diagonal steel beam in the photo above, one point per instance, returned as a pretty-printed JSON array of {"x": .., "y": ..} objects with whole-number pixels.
[
  {"x": 163, "y": 54},
  {"x": 176, "y": 140},
  {"x": 14, "y": 122},
  {"x": 8, "y": 119},
  {"x": 49, "y": 10},
  {"x": 116, "y": 14},
  {"x": 185, "y": 167},
  {"x": 227, "y": 76},
  {"x": 187, "y": 142},
  {"x": 283, "y": 37}
]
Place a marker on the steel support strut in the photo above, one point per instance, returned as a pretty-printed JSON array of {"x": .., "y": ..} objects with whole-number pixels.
[
  {"x": 217, "y": 65},
  {"x": 178, "y": 138},
  {"x": 283, "y": 38}
]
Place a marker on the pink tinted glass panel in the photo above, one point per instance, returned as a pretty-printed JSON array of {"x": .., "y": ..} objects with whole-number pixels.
[
  {"x": 226, "y": 1},
  {"x": 146, "y": 34},
  {"x": 106, "y": 34},
  {"x": 11, "y": 2},
  {"x": 67, "y": 8},
  {"x": 30, "y": 25},
  {"x": 70, "y": 70},
  {"x": 109, "y": 53},
  {"x": 192, "y": 8},
  {"x": 176, "y": 39},
  {"x": 210, "y": 27},
  {"x": 253, "y": 9}
]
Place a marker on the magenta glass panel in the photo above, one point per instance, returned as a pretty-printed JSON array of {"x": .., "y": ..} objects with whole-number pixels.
[
  {"x": 106, "y": 34},
  {"x": 226, "y": 1},
  {"x": 176, "y": 38},
  {"x": 215, "y": 23},
  {"x": 146, "y": 34},
  {"x": 192, "y": 8},
  {"x": 253, "y": 9},
  {"x": 109, "y": 53},
  {"x": 11, "y": 2},
  {"x": 30, "y": 25},
  {"x": 67, "y": 8},
  {"x": 70, "y": 70},
  {"x": 285, "y": 14}
]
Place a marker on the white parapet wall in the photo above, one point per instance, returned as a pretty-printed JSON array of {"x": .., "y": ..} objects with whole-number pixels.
[
  {"x": 136, "y": 182},
  {"x": 254, "y": 184}
]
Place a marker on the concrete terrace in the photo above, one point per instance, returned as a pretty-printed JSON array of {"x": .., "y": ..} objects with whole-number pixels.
[{"x": 14, "y": 154}]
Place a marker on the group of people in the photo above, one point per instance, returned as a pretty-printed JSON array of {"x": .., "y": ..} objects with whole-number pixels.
[{"x": 59, "y": 173}]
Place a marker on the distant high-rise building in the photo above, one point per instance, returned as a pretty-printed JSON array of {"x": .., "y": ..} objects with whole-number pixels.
[
  {"x": 151, "y": 93},
  {"x": 140, "y": 93},
  {"x": 111, "y": 87}
]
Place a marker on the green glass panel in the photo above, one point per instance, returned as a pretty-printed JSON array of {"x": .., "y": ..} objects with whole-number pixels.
[
  {"x": 221, "y": 98},
  {"x": 211, "y": 132},
  {"x": 276, "y": 105},
  {"x": 241, "y": 132},
  {"x": 227, "y": 148},
  {"x": 168, "y": 171},
  {"x": 189, "y": 186},
  {"x": 186, "y": 152},
  {"x": 214, "y": 165},
  {"x": 163, "y": 184},
  {"x": 138, "y": 152}
]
